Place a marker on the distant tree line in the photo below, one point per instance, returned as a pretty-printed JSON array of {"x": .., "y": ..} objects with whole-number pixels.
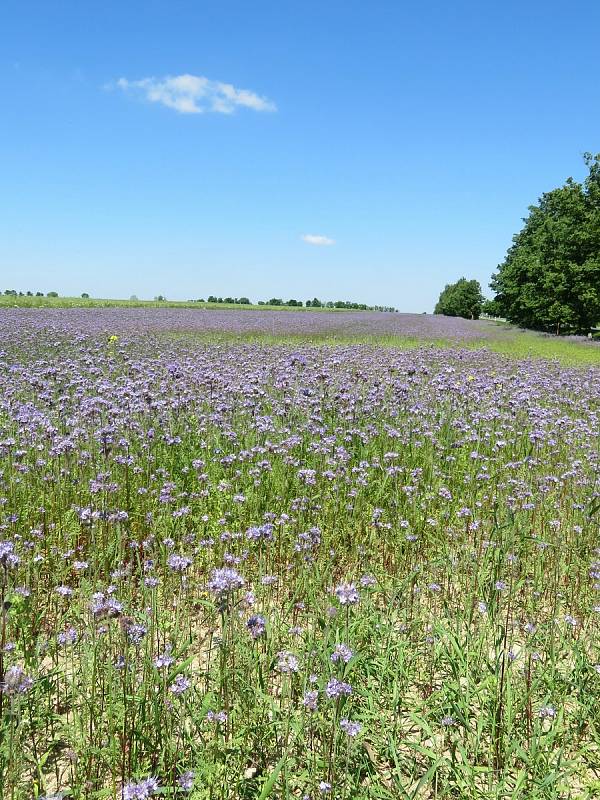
[
  {"x": 314, "y": 303},
  {"x": 243, "y": 301},
  {"x": 14, "y": 293}
]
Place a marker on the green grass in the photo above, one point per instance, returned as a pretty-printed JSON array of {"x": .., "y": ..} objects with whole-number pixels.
[
  {"x": 514, "y": 344},
  {"x": 530, "y": 345}
]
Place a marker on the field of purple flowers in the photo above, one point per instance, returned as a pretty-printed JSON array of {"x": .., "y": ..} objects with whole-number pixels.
[
  {"x": 216, "y": 321},
  {"x": 239, "y": 570}
]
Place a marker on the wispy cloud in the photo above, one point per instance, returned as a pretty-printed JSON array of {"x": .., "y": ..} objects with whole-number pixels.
[
  {"x": 194, "y": 94},
  {"x": 320, "y": 241}
]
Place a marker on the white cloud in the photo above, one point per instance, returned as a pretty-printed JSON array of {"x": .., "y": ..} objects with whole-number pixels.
[
  {"x": 195, "y": 94},
  {"x": 311, "y": 238}
]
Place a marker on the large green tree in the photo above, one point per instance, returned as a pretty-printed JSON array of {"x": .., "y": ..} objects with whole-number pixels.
[
  {"x": 550, "y": 278},
  {"x": 461, "y": 299}
]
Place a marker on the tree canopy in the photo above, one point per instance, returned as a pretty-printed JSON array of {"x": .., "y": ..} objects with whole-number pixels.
[
  {"x": 550, "y": 278},
  {"x": 461, "y": 299}
]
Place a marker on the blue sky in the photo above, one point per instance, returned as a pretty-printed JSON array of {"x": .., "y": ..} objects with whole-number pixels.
[{"x": 412, "y": 134}]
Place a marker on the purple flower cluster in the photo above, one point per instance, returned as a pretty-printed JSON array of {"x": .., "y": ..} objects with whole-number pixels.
[
  {"x": 180, "y": 685},
  {"x": 8, "y": 556},
  {"x": 336, "y": 689},
  {"x": 178, "y": 563},
  {"x": 257, "y": 625},
  {"x": 347, "y": 594},
  {"x": 217, "y": 717},
  {"x": 140, "y": 790},
  {"x": 225, "y": 580},
  {"x": 287, "y": 662},
  {"x": 351, "y": 728},
  {"x": 15, "y": 682},
  {"x": 341, "y": 653},
  {"x": 105, "y": 605}
]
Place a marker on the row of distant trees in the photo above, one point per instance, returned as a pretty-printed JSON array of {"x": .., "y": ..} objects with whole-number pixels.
[
  {"x": 14, "y": 293},
  {"x": 243, "y": 301},
  {"x": 550, "y": 278},
  {"x": 314, "y": 303}
]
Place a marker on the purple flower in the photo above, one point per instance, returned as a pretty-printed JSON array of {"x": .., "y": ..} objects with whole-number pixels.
[
  {"x": 178, "y": 563},
  {"x": 180, "y": 685},
  {"x": 347, "y": 594},
  {"x": 310, "y": 700},
  {"x": 547, "y": 712},
  {"x": 104, "y": 605},
  {"x": 8, "y": 557},
  {"x": 164, "y": 659},
  {"x": 67, "y": 637},
  {"x": 225, "y": 580},
  {"x": 218, "y": 717},
  {"x": 287, "y": 662},
  {"x": 351, "y": 728},
  {"x": 135, "y": 632},
  {"x": 141, "y": 790},
  {"x": 186, "y": 781},
  {"x": 341, "y": 652},
  {"x": 336, "y": 689},
  {"x": 256, "y": 625},
  {"x": 448, "y": 722},
  {"x": 15, "y": 682}
]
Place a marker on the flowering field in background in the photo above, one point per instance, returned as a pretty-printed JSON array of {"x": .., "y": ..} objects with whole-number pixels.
[
  {"x": 239, "y": 570},
  {"x": 198, "y": 320}
]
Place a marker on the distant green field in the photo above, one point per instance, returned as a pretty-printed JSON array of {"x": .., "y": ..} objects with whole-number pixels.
[{"x": 10, "y": 301}]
